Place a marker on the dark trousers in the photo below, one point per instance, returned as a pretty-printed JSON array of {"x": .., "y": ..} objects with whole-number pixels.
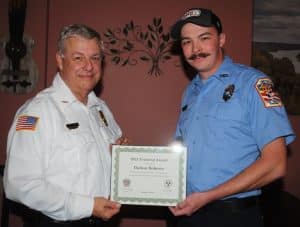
[
  {"x": 41, "y": 220},
  {"x": 230, "y": 213}
]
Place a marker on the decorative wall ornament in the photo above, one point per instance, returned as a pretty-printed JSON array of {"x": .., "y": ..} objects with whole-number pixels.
[
  {"x": 23, "y": 79},
  {"x": 18, "y": 72},
  {"x": 132, "y": 44}
]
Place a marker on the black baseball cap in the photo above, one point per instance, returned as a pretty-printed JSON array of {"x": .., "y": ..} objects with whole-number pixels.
[{"x": 199, "y": 16}]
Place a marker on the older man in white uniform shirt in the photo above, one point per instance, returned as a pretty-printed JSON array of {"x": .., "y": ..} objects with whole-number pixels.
[{"x": 58, "y": 157}]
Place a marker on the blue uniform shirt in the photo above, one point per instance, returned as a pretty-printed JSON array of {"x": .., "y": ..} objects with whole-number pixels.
[{"x": 225, "y": 135}]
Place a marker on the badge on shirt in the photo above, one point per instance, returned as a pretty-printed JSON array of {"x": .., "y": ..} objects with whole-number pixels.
[
  {"x": 265, "y": 89},
  {"x": 26, "y": 122},
  {"x": 228, "y": 92},
  {"x": 102, "y": 117}
]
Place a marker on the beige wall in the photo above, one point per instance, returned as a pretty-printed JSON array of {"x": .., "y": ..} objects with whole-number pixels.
[{"x": 146, "y": 107}]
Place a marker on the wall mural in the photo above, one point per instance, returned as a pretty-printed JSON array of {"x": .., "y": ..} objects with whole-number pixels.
[
  {"x": 132, "y": 44},
  {"x": 276, "y": 47}
]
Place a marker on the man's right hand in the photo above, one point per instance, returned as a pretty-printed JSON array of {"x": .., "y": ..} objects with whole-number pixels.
[{"x": 104, "y": 208}]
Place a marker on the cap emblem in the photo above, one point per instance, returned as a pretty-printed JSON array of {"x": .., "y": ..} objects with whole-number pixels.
[{"x": 191, "y": 13}]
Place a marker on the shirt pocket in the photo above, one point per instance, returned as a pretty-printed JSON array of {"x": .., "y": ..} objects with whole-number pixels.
[
  {"x": 185, "y": 118},
  {"x": 75, "y": 147},
  {"x": 226, "y": 122},
  {"x": 232, "y": 110}
]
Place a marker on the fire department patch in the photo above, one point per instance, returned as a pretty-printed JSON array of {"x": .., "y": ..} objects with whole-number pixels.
[{"x": 265, "y": 89}]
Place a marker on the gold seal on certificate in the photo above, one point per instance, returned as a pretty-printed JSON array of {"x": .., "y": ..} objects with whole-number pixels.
[{"x": 148, "y": 175}]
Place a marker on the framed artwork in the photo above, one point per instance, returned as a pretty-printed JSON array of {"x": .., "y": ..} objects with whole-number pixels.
[{"x": 276, "y": 47}]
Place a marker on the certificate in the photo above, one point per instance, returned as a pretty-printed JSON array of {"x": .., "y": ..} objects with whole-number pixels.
[{"x": 148, "y": 175}]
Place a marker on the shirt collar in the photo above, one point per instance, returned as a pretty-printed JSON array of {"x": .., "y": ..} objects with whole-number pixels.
[
  {"x": 65, "y": 95},
  {"x": 196, "y": 83},
  {"x": 224, "y": 71}
]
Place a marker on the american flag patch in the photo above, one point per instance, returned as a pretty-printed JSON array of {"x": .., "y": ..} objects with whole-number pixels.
[
  {"x": 265, "y": 89},
  {"x": 25, "y": 122}
]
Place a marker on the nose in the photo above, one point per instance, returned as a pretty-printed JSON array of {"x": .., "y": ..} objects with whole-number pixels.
[
  {"x": 88, "y": 64},
  {"x": 196, "y": 46}
]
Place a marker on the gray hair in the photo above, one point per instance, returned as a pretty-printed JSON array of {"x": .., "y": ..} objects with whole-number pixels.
[{"x": 75, "y": 30}]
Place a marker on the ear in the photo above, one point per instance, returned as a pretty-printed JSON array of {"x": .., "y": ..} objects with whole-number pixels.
[
  {"x": 222, "y": 39},
  {"x": 59, "y": 61}
]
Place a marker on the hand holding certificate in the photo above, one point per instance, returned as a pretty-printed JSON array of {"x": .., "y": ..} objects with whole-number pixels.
[{"x": 148, "y": 175}]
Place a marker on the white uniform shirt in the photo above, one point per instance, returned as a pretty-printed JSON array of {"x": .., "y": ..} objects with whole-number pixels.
[{"x": 60, "y": 161}]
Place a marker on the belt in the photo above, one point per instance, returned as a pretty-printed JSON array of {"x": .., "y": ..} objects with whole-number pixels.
[
  {"x": 41, "y": 218},
  {"x": 235, "y": 204}
]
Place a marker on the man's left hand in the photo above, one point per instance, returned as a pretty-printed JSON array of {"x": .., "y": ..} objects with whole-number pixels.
[{"x": 192, "y": 203}]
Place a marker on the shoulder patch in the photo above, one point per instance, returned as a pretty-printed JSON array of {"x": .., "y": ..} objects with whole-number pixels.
[
  {"x": 265, "y": 89},
  {"x": 26, "y": 122}
]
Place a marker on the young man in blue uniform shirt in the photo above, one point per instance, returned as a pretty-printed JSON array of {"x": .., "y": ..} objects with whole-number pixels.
[{"x": 234, "y": 125}]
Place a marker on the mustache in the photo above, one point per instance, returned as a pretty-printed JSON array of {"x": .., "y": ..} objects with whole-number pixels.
[{"x": 194, "y": 56}]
